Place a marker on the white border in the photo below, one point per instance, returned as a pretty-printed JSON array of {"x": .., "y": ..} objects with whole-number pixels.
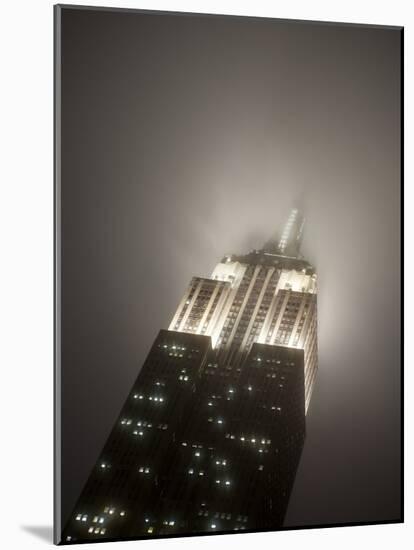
[{"x": 26, "y": 236}]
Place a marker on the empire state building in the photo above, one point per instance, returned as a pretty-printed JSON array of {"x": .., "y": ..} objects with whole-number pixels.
[{"x": 211, "y": 434}]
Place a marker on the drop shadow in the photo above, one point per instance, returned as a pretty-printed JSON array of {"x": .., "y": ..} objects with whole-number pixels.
[{"x": 43, "y": 532}]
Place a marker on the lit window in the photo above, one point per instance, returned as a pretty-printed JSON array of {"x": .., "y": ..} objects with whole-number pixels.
[
  {"x": 90, "y": 530},
  {"x": 150, "y": 529},
  {"x": 191, "y": 471},
  {"x": 227, "y": 482},
  {"x": 78, "y": 517},
  {"x": 213, "y": 525}
]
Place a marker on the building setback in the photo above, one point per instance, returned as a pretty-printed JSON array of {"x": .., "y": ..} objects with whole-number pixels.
[{"x": 211, "y": 434}]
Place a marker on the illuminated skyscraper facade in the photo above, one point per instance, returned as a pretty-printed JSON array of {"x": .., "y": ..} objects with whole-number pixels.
[{"x": 211, "y": 434}]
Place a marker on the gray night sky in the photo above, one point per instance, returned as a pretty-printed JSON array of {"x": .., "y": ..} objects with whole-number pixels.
[{"x": 186, "y": 137}]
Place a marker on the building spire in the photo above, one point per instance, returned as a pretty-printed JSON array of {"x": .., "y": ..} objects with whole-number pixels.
[
  {"x": 289, "y": 243},
  {"x": 291, "y": 239}
]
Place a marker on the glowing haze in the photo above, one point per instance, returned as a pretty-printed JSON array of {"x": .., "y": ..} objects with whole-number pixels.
[{"x": 184, "y": 138}]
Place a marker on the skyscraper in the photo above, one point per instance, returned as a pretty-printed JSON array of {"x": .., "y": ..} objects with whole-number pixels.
[{"x": 211, "y": 434}]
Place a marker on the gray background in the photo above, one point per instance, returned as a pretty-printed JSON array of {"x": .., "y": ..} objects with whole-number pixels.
[{"x": 185, "y": 137}]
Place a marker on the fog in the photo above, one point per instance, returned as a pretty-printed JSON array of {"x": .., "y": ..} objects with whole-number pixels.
[{"x": 184, "y": 138}]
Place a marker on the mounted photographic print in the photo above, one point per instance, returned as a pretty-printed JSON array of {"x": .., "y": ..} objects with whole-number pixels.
[{"x": 227, "y": 274}]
